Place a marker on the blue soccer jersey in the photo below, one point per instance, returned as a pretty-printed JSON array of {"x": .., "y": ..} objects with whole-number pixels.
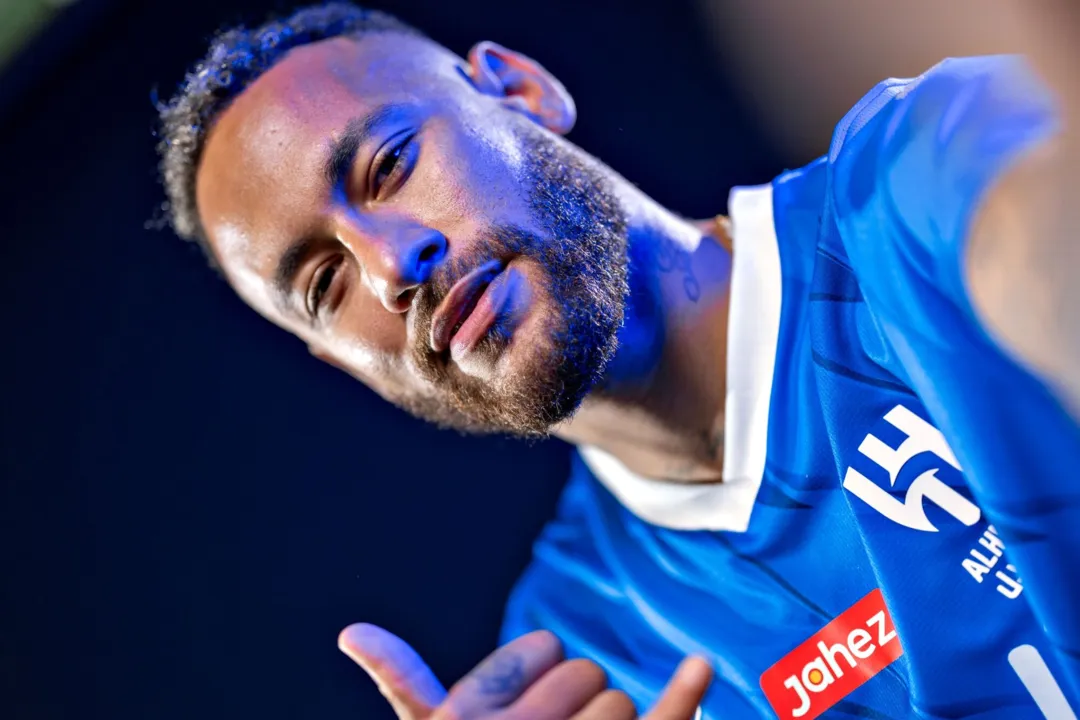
[{"x": 882, "y": 456}]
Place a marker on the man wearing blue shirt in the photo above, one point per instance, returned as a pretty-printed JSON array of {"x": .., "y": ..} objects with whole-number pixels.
[{"x": 817, "y": 448}]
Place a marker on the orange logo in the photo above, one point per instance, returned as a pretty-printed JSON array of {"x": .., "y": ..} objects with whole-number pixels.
[{"x": 831, "y": 664}]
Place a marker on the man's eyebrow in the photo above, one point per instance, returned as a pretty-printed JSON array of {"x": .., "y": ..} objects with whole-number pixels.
[
  {"x": 287, "y": 269},
  {"x": 343, "y": 149}
]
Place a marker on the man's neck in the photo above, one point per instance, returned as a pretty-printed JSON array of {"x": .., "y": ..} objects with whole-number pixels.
[{"x": 660, "y": 408}]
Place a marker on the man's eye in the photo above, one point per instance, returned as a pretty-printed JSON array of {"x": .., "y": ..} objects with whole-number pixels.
[
  {"x": 388, "y": 165},
  {"x": 321, "y": 285}
]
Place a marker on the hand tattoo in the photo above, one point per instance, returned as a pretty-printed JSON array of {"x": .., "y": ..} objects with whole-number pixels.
[{"x": 501, "y": 675}]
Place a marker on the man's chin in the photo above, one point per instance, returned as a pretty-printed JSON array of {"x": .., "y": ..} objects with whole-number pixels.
[
  {"x": 525, "y": 379},
  {"x": 524, "y": 393},
  {"x": 529, "y": 403},
  {"x": 535, "y": 378}
]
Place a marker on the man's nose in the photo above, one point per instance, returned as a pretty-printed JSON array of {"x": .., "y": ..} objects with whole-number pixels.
[{"x": 395, "y": 257}]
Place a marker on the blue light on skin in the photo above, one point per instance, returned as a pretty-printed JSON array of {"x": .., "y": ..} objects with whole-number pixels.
[{"x": 641, "y": 337}]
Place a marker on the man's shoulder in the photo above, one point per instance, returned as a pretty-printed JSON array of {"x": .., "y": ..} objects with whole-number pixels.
[{"x": 957, "y": 79}]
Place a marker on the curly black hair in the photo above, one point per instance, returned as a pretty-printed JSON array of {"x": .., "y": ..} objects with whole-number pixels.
[{"x": 235, "y": 59}]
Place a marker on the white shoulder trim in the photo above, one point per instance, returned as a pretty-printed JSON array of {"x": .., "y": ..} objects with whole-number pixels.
[{"x": 753, "y": 330}]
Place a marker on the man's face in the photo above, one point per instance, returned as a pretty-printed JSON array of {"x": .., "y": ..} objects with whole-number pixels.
[{"x": 424, "y": 236}]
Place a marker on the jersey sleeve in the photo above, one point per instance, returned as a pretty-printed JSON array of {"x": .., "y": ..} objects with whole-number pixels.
[{"x": 908, "y": 169}]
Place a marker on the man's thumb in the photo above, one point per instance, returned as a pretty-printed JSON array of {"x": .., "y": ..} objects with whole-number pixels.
[{"x": 403, "y": 678}]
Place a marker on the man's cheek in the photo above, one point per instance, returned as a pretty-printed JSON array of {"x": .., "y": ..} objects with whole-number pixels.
[
  {"x": 438, "y": 199},
  {"x": 366, "y": 361},
  {"x": 398, "y": 384},
  {"x": 468, "y": 184}
]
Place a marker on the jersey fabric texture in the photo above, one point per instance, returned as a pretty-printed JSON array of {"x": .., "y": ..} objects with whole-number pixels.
[{"x": 876, "y": 438}]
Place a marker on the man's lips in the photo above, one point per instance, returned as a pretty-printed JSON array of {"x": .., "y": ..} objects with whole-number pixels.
[{"x": 455, "y": 308}]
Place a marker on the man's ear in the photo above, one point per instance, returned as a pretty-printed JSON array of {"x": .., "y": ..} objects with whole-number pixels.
[{"x": 523, "y": 84}]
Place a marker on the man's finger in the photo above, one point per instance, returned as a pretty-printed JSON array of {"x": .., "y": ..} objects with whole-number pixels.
[
  {"x": 608, "y": 705},
  {"x": 684, "y": 692},
  {"x": 561, "y": 692},
  {"x": 501, "y": 678},
  {"x": 401, "y": 675}
]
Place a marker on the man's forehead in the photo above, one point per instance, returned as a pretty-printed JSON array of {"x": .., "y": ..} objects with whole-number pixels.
[
  {"x": 308, "y": 97},
  {"x": 367, "y": 71}
]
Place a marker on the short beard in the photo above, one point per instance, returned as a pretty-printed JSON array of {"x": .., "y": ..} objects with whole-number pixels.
[{"x": 583, "y": 253}]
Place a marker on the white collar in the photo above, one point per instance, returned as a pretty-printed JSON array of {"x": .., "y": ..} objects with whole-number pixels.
[{"x": 753, "y": 328}]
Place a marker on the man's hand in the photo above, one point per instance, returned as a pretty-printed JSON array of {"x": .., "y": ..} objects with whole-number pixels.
[
  {"x": 1024, "y": 250},
  {"x": 527, "y": 678}
]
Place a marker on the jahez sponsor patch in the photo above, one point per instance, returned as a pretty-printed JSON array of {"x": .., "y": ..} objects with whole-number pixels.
[{"x": 854, "y": 647}]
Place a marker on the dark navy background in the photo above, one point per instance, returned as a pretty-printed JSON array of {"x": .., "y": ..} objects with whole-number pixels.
[{"x": 192, "y": 506}]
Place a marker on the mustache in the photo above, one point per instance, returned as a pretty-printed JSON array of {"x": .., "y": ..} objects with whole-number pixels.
[
  {"x": 420, "y": 317},
  {"x": 498, "y": 244}
]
